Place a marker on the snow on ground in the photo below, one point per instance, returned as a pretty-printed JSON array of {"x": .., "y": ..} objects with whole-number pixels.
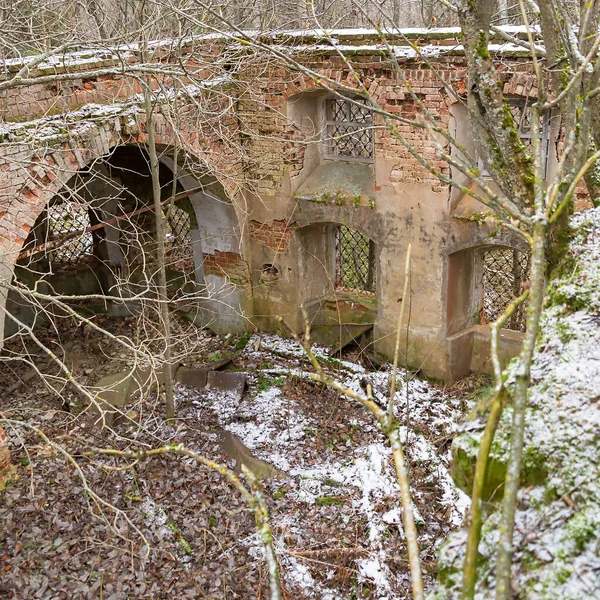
[
  {"x": 558, "y": 515},
  {"x": 334, "y": 501},
  {"x": 354, "y": 476}
]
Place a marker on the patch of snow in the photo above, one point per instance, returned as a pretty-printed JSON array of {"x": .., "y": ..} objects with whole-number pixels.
[
  {"x": 156, "y": 519},
  {"x": 372, "y": 569}
]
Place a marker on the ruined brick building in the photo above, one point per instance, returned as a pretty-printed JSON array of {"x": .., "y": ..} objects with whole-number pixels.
[{"x": 316, "y": 211}]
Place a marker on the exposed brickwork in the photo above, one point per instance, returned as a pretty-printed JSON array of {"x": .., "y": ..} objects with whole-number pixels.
[
  {"x": 52, "y": 97},
  {"x": 30, "y": 178},
  {"x": 276, "y": 236},
  {"x": 275, "y": 149},
  {"x": 265, "y": 142},
  {"x": 521, "y": 84},
  {"x": 5, "y": 465},
  {"x": 227, "y": 264}
]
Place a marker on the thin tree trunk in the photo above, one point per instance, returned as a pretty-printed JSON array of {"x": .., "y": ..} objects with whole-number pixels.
[
  {"x": 160, "y": 251},
  {"x": 500, "y": 395},
  {"x": 513, "y": 472}
]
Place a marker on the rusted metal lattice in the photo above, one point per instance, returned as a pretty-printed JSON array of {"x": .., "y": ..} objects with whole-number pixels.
[
  {"x": 520, "y": 109},
  {"x": 504, "y": 271},
  {"x": 179, "y": 240},
  {"x": 355, "y": 260},
  {"x": 64, "y": 218},
  {"x": 349, "y": 130},
  {"x": 522, "y": 115}
]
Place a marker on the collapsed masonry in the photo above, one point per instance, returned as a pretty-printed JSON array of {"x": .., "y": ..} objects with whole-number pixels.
[{"x": 317, "y": 211}]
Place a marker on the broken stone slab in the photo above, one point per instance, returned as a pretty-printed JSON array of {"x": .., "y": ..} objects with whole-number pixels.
[
  {"x": 221, "y": 364},
  {"x": 113, "y": 392},
  {"x": 195, "y": 378},
  {"x": 242, "y": 455},
  {"x": 340, "y": 336},
  {"x": 227, "y": 381}
]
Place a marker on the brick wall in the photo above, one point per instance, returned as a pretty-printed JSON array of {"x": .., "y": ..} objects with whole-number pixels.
[
  {"x": 227, "y": 264},
  {"x": 276, "y": 236},
  {"x": 5, "y": 466},
  {"x": 278, "y": 146}
]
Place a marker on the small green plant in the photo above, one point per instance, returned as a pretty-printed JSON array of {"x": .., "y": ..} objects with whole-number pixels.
[
  {"x": 215, "y": 356},
  {"x": 243, "y": 341},
  {"x": 332, "y": 444},
  {"x": 212, "y": 521},
  {"x": 133, "y": 497},
  {"x": 266, "y": 383},
  {"x": 280, "y": 493},
  {"x": 179, "y": 537},
  {"x": 329, "y": 500}
]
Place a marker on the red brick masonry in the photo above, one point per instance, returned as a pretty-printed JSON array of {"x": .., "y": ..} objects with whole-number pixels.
[{"x": 276, "y": 236}]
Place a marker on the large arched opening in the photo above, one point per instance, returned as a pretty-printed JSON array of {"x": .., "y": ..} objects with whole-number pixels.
[{"x": 94, "y": 244}]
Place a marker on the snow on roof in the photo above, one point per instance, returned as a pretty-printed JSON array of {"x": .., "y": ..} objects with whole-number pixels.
[
  {"x": 51, "y": 127},
  {"x": 323, "y": 40}
]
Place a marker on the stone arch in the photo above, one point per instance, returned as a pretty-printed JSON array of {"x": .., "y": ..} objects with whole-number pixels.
[
  {"x": 36, "y": 174},
  {"x": 217, "y": 241}
]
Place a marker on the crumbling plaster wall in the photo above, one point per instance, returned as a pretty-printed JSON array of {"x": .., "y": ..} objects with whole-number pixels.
[{"x": 409, "y": 205}]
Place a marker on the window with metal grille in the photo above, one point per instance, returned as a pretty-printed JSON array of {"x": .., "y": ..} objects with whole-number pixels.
[
  {"x": 179, "y": 239},
  {"x": 65, "y": 218},
  {"x": 520, "y": 109},
  {"x": 504, "y": 271},
  {"x": 348, "y": 130},
  {"x": 355, "y": 260}
]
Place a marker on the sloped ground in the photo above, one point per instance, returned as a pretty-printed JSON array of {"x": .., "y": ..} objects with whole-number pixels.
[
  {"x": 335, "y": 506},
  {"x": 558, "y": 518}
]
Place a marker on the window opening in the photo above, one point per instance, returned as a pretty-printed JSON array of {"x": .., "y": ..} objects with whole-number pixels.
[
  {"x": 349, "y": 130},
  {"x": 504, "y": 271},
  {"x": 66, "y": 218},
  {"x": 179, "y": 239},
  {"x": 355, "y": 261},
  {"x": 522, "y": 115}
]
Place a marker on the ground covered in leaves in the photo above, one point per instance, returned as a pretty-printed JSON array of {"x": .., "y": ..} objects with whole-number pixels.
[{"x": 75, "y": 526}]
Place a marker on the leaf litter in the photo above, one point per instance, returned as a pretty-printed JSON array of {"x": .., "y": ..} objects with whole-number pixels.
[{"x": 335, "y": 507}]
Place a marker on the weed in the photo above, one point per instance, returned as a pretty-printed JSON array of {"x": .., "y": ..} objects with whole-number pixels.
[
  {"x": 329, "y": 500},
  {"x": 280, "y": 493},
  {"x": 243, "y": 341}
]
